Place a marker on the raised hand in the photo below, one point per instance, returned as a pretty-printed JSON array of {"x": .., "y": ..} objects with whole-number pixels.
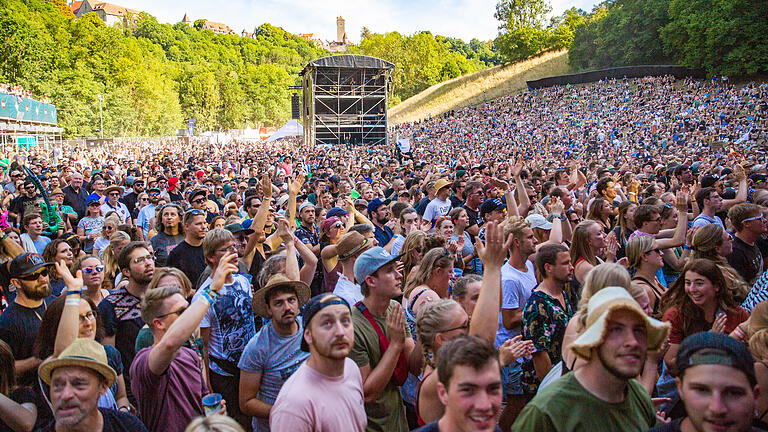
[
  {"x": 396, "y": 325},
  {"x": 226, "y": 268},
  {"x": 266, "y": 186},
  {"x": 494, "y": 251},
  {"x": 556, "y": 206},
  {"x": 500, "y": 184},
  {"x": 72, "y": 282},
  {"x": 282, "y": 229},
  {"x": 297, "y": 183},
  {"x": 513, "y": 349}
]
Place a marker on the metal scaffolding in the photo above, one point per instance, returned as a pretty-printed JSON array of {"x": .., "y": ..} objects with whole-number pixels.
[{"x": 345, "y": 100}]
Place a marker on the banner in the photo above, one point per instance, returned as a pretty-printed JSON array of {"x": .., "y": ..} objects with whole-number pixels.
[{"x": 27, "y": 110}]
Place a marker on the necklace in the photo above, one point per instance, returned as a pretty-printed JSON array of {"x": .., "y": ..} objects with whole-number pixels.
[{"x": 45, "y": 307}]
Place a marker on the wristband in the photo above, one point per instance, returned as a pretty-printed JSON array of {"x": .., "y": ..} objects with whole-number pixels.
[
  {"x": 78, "y": 291},
  {"x": 686, "y": 247},
  {"x": 72, "y": 302},
  {"x": 206, "y": 294},
  {"x": 555, "y": 216}
]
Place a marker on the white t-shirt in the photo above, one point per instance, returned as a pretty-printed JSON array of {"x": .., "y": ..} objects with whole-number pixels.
[
  {"x": 436, "y": 208},
  {"x": 312, "y": 402},
  {"x": 121, "y": 209},
  {"x": 348, "y": 290},
  {"x": 516, "y": 287}
]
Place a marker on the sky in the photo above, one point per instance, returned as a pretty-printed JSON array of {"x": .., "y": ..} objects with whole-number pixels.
[{"x": 464, "y": 19}]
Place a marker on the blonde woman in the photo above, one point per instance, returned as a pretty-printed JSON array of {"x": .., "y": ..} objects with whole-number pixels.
[
  {"x": 117, "y": 241},
  {"x": 110, "y": 226},
  {"x": 214, "y": 423},
  {"x": 646, "y": 260},
  {"x": 413, "y": 251}
]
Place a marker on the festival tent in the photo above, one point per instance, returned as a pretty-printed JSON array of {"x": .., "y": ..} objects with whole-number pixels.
[{"x": 292, "y": 128}]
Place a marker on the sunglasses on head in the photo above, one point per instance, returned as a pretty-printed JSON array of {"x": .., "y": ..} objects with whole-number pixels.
[
  {"x": 195, "y": 212},
  {"x": 34, "y": 276},
  {"x": 154, "y": 193}
]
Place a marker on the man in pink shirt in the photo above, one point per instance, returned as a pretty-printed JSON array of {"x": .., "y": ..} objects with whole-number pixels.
[{"x": 326, "y": 392}]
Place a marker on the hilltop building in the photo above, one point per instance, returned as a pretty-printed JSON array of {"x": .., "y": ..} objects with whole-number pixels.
[{"x": 110, "y": 13}]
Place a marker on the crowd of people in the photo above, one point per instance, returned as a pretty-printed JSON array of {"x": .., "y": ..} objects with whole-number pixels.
[
  {"x": 577, "y": 258},
  {"x": 18, "y": 91}
]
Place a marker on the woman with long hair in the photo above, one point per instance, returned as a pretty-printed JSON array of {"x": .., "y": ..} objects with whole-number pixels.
[
  {"x": 17, "y": 409},
  {"x": 460, "y": 220},
  {"x": 625, "y": 226},
  {"x": 413, "y": 250},
  {"x": 170, "y": 232},
  {"x": 714, "y": 243},
  {"x": 117, "y": 242},
  {"x": 93, "y": 271},
  {"x": 433, "y": 278},
  {"x": 589, "y": 240},
  {"x": 15, "y": 235},
  {"x": 110, "y": 226},
  {"x": 55, "y": 251},
  {"x": 600, "y": 211},
  {"x": 698, "y": 301},
  {"x": 645, "y": 259}
]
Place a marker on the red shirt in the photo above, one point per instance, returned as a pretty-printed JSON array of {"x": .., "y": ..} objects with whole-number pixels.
[{"x": 676, "y": 334}]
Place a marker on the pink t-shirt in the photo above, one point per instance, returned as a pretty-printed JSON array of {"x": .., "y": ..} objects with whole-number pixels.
[{"x": 312, "y": 402}]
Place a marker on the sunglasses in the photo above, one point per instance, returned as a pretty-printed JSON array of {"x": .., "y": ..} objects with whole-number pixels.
[
  {"x": 34, "y": 276},
  {"x": 195, "y": 212},
  {"x": 176, "y": 312},
  {"x": 760, "y": 218},
  {"x": 154, "y": 193},
  {"x": 198, "y": 201},
  {"x": 95, "y": 269}
]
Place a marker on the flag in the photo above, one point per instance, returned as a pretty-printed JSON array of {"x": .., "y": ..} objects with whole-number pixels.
[{"x": 404, "y": 144}]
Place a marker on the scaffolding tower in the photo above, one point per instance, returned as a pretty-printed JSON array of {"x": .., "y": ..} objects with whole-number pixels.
[{"x": 345, "y": 100}]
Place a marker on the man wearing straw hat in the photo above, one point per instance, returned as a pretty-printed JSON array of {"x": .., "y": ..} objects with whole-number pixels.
[
  {"x": 114, "y": 193},
  {"x": 602, "y": 395},
  {"x": 77, "y": 377},
  {"x": 274, "y": 353}
]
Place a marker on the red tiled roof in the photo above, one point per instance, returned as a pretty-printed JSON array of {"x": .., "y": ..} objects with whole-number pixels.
[
  {"x": 75, "y": 6},
  {"x": 113, "y": 9}
]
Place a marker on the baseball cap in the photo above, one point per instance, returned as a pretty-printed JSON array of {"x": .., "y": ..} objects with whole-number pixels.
[
  {"x": 376, "y": 203},
  {"x": 336, "y": 212},
  {"x": 237, "y": 227},
  {"x": 172, "y": 182},
  {"x": 758, "y": 178},
  {"x": 92, "y": 200},
  {"x": 361, "y": 203},
  {"x": 197, "y": 193},
  {"x": 315, "y": 305},
  {"x": 370, "y": 261},
  {"x": 306, "y": 204},
  {"x": 711, "y": 348},
  {"x": 538, "y": 221},
  {"x": 27, "y": 263},
  {"x": 709, "y": 180},
  {"x": 490, "y": 205}
]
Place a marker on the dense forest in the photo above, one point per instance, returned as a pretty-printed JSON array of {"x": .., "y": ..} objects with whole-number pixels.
[{"x": 154, "y": 76}]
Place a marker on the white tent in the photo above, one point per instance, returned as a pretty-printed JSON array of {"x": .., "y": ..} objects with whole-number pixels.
[{"x": 292, "y": 128}]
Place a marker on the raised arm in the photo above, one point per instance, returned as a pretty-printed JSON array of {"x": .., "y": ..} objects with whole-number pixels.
[
  {"x": 307, "y": 271},
  {"x": 69, "y": 322},
  {"x": 485, "y": 318},
  {"x": 682, "y": 224},
  {"x": 293, "y": 191}
]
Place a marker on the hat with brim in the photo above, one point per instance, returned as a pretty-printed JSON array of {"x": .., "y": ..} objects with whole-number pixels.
[
  {"x": 111, "y": 189},
  {"x": 86, "y": 353},
  {"x": 441, "y": 183},
  {"x": 601, "y": 305},
  {"x": 278, "y": 281},
  {"x": 194, "y": 194}
]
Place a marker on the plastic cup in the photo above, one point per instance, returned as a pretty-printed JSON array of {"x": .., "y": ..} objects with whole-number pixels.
[{"x": 211, "y": 403}]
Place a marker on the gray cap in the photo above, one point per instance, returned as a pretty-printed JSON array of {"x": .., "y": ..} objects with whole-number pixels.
[
  {"x": 370, "y": 261},
  {"x": 538, "y": 221}
]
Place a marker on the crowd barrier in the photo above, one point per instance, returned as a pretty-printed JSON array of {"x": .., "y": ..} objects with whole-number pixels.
[{"x": 615, "y": 73}]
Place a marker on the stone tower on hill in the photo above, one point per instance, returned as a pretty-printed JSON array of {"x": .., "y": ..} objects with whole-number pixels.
[
  {"x": 186, "y": 20},
  {"x": 341, "y": 33}
]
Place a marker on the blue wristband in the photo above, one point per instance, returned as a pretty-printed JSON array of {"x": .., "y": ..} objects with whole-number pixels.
[{"x": 206, "y": 294}]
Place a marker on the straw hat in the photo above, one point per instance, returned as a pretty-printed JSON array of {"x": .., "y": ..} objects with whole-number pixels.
[
  {"x": 600, "y": 306},
  {"x": 278, "y": 281},
  {"x": 110, "y": 189},
  {"x": 85, "y": 353}
]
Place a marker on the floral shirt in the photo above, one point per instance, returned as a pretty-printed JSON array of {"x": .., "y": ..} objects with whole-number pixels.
[{"x": 544, "y": 322}]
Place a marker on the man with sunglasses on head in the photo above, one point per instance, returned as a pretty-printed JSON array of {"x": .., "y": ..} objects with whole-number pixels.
[
  {"x": 25, "y": 203},
  {"x": 187, "y": 256},
  {"x": 167, "y": 367},
  {"x": 20, "y": 322},
  {"x": 198, "y": 199},
  {"x": 120, "y": 312}
]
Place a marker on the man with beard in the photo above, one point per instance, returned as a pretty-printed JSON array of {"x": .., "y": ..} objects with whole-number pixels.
[
  {"x": 75, "y": 195},
  {"x": 228, "y": 324},
  {"x": 546, "y": 314},
  {"x": 717, "y": 384},
  {"x": 380, "y": 215},
  {"x": 187, "y": 256},
  {"x": 602, "y": 395},
  {"x": 120, "y": 312},
  {"x": 326, "y": 391},
  {"x": 25, "y": 204},
  {"x": 20, "y": 322},
  {"x": 77, "y": 378},
  {"x": 274, "y": 353}
]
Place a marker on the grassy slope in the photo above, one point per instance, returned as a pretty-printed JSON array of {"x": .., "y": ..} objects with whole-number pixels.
[{"x": 468, "y": 89}]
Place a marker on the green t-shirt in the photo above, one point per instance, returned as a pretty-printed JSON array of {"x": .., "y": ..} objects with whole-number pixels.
[
  {"x": 565, "y": 405},
  {"x": 387, "y": 413}
]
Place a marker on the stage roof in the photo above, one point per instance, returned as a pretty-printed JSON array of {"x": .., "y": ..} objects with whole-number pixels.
[{"x": 351, "y": 61}]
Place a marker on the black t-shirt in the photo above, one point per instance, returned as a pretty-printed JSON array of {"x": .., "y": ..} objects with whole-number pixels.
[
  {"x": 20, "y": 395},
  {"x": 114, "y": 421},
  {"x": 189, "y": 259},
  {"x": 120, "y": 314},
  {"x": 175, "y": 196},
  {"x": 746, "y": 260},
  {"x": 18, "y": 328},
  {"x": 130, "y": 202},
  {"x": 474, "y": 217},
  {"x": 22, "y": 205}
]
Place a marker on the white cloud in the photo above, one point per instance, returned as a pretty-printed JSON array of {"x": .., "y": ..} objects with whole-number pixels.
[{"x": 465, "y": 19}]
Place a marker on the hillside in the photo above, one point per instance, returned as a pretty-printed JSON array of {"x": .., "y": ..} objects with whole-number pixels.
[{"x": 471, "y": 89}]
